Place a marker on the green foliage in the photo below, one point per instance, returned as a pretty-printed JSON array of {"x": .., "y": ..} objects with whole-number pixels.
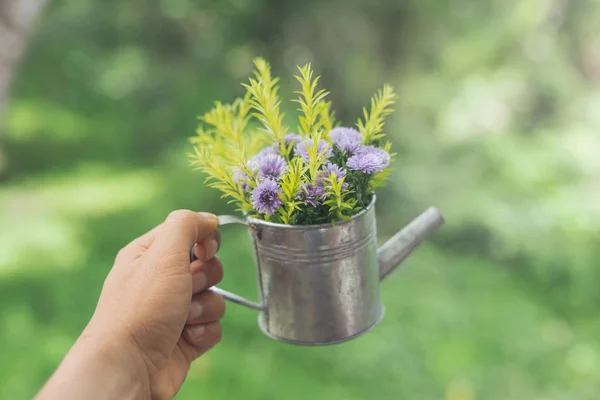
[
  {"x": 315, "y": 110},
  {"x": 360, "y": 184},
  {"x": 315, "y": 158},
  {"x": 378, "y": 180},
  {"x": 265, "y": 101},
  {"x": 341, "y": 205},
  {"x": 289, "y": 190},
  {"x": 327, "y": 117},
  {"x": 372, "y": 126},
  {"x": 219, "y": 177},
  {"x": 221, "y": 149}
]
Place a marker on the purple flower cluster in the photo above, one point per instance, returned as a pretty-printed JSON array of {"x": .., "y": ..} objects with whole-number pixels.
[
  {"x": 256, "y": 161},
  {"x": 292, "y": 138},
  {"x": 269, "y": 166},
  {"x": 313, "y": 194},
  {"x": 369, "y": 159},
  {"x": 265, "y": 197},
  {"x": 323, "y": 148},
  {"x": 334, "y": 169},
  {"x": 310, "y": 194},
  {"x": 326, "y": 174},
  {"x": 348, "y": 140}
]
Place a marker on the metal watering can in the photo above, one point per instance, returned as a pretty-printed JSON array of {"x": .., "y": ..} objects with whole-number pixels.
[{"x": 319, "y": 284}]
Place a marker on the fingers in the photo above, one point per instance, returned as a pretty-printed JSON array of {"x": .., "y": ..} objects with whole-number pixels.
[
  {"x": 201, "y": 338},
  {"x": 206, "y": 274},
  {"x": 207, "y": 249},
  {"x": 204, "y": 335},
  {"x": 178, "y": 234},
  {"x": 197, "y": 340},
  {"x": 202, "y": 330},
  {"x": 206, "y": 307}
]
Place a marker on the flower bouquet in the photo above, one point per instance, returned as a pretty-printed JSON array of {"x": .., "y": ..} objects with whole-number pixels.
[
  {"x": 308, "y": 197},
  {"x": 319, "y": 173}
]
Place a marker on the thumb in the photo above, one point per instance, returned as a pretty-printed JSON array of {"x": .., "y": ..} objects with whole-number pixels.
[{"x": 180, "y": 231}]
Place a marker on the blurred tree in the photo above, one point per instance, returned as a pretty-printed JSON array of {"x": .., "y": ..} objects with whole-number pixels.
[{"x": 16, "y": 19}]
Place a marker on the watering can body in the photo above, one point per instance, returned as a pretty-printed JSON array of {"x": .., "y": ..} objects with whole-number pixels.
[{"x": 319, "y": 284}]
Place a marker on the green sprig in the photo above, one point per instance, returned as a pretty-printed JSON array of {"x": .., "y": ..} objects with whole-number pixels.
[
  {"x": 264, "y": 99},
  {"x": 340, "y": 205},
  {"x": 372, "y": 126},
  {"x": 315, "y": 111}
]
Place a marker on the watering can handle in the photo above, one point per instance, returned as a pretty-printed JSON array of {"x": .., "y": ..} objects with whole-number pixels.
[{"x": 234, "y": 298}]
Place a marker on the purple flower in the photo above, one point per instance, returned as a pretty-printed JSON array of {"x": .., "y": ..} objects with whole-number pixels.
[
  {"x": 323, "y": 148},
  {"x": 310, "y": 194},
  {"x": 292, "y": 138},
  {"x": 265, "y": 197},
  {"x": 347, "y": 140},
  {"x": 326, "y": 171},
  {"x": 256, "y": 161},
  {"x": 271, "y": 166},
  {"x": 369, "y": 159},
  {"x": 330, "y": 168},
  {"x": 239, "y": 177},
  {"x": 267, "y": 150}
]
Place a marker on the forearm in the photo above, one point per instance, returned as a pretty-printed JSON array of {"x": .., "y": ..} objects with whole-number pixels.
[{"x": 98, "y": 371}]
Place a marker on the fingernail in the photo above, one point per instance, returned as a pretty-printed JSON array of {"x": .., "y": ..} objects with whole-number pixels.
[
  {"x": 210, "y": 249},
  {"x": 195, "y": 310},
  {"x": 197, "y": 331},
  {"x": 211, "y": 218},
  {"x": 198, "y": 282},
  {"x": 214, "y": 327}
]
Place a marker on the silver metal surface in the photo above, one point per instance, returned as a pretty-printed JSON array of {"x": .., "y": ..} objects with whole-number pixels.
[
  {"x": 234, "y": 298},
  {"x": 263, "y": 328},
  {"x": 319, "y": 284},
  {"x": 231, "y": 219},
  {"x": 399, "y": 246}
]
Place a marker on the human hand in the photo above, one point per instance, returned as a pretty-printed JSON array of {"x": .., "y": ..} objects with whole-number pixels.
[{"x": 154, "y": 315}]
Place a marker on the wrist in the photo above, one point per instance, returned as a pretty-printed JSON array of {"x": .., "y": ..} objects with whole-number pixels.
[
  {"x": 128, "y": 369},
  {"x": 100, "y": 367}
]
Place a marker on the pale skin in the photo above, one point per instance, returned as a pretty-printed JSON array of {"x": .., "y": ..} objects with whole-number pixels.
[{"x": 154, "y": 317}]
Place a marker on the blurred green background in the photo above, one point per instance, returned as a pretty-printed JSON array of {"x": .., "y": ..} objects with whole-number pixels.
[{"x": 497, "y": 124}]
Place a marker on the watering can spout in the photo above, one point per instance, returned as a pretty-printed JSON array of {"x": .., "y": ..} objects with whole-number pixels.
[{"x": 397, "y": 248}]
